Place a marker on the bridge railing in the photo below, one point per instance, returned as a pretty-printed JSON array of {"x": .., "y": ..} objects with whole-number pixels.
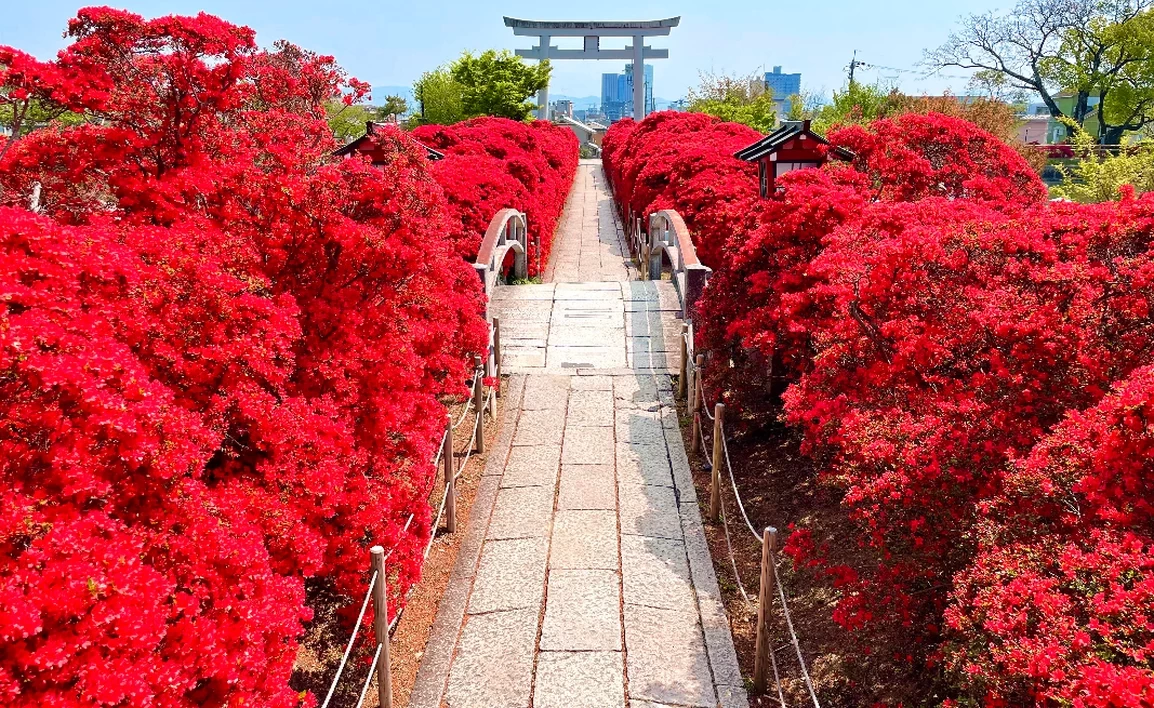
[
  {"x": 508, "y": 231},
  {"x": 667, "y": 239}
]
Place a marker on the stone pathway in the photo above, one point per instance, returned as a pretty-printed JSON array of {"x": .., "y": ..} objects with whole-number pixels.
[{"x": 584, "y": 578}]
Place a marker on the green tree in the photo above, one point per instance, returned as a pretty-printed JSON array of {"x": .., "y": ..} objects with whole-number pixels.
[
  {"x": 20, "y": 116},
  {"x": 394, "y": 106},
  {"x": 347, "y": 122},
  {"x": 1098, "y": 173},
  {"x": 1090, "y": 48},
  {"x": 498, "y": 83},
  {"x": 857, "y": 104},
  {"x": 736, "y": 99},
  {"x": 439, "y": 98}
]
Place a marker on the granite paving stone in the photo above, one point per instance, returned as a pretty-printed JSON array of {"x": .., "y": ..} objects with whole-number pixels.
[
  {"x": 510, "y": 576},
  {"x": 666, "y": 658},
  {"x": 638, "y": 463},
  {"x": 539, "y": 427},
  {"x": 582, "y": 612},
  {"x": 655, "y": 573},
  {"x": 584, "y": 538},
  {"x": 648, "y": 510},
  {"x": 587, "y": 487},
  {"x": 588, "y": 446},
  {"x": 584, "y": 679},
  {"x": 522, "y": 512},
  {"x": 532, "y": 466},
  {"x": 590, "y": 408},
  {"x": 493, "y": 667}
]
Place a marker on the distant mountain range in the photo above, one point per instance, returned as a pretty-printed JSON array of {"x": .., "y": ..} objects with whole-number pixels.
[{"x": 579, "y": 102}]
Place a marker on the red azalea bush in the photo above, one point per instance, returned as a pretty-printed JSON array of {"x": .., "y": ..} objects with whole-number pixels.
[
  {"x": 949, "y": 341},
  {"x": 494, "y": 163},
  {"x": 918, "y": 155},
  {"x": 684, "y": 161},
  {"x": 222, "y": 359}
]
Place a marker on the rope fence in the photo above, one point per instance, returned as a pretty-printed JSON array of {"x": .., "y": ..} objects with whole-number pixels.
[
  {"x": 478, "y": 403},
  {"x": 692, "y": 386}
]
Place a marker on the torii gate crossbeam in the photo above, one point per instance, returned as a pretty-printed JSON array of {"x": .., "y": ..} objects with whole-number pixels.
[{"x": 593, "y": 31}]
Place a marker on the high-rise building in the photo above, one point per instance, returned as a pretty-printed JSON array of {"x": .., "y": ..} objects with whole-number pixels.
[
  {"x": 782, "y": 85},
  {"x": 617, "y": 93},
  {"x": 615, "y": 96},
  {"x": 649, "y": 106}
]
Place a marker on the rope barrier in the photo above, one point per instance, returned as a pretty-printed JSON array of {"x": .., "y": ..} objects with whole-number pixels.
[
  {"x": 776, "y": 676},
  {"x": 369, "y": 678},
  {"x": 352, "y": 640},
  {"x": 732, "y": 560},
  {"x": 757, "y": 538},
  {"x": 793, "y": 639},
  {"x": 468, "y": 403},
  {"x": 736, "y": 494}
]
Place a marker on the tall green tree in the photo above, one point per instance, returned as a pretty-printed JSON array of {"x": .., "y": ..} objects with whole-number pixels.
[
  {"x": 1090, "y": 48},
  {"x": 857, "y": 104},
  {"x": 394, "y": 106},
  {"x": 736, "y": 99},
  {"x": 498, "y": 83},
  {"x": 440, "y": 98}
]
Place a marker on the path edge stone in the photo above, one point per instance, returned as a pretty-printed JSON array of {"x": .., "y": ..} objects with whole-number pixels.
[
  {"x": 714, "y": 619},
  {"x": 433, "y": 673}
]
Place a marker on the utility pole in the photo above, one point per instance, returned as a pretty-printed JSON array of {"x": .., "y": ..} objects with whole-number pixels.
[{"x": 853, "y": 64}]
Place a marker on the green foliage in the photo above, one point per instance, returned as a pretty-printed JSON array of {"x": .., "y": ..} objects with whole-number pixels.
[
  {"x": 735, "y": 99},
  {"x": 1097, "y": 175},
  {"x": 440, "y": 98},
  {"x": 498, "y": 83},
  {"x": 858, "y": 104},
  {"x": 25, "y": 118},
  {"x": 1095, "y": 48},
  {"x": 394, "y": 106},
  {"x": 347, "y": 122}
]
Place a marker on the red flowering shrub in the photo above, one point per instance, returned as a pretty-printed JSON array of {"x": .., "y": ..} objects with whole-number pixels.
[
  {"x": 494, "y": 163},
  {"x": 949, "y": 339},
  {"x": 1075, "y": 540},
  {"x": 221, "y": 361},
  {"x": 684, "y": 161},
  {"x": 946, "y": 338},
  {"x": 918, "y": 155}
]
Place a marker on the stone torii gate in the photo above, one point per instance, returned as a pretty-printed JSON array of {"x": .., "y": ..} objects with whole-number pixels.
[{"x": 593, "y": 31}]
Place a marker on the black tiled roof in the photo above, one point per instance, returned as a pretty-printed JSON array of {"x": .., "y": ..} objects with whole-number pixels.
[
  {"x": 782, "y": 135},
  {"x": 348, "y": 149}
]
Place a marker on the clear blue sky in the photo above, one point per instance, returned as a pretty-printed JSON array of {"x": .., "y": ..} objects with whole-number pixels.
[{"x": 391, "y": 43}]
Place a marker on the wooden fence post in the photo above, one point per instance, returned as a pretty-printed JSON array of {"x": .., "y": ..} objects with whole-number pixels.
[
  {"x": 497, "y": 352},
  {"x": 381, "y": 628},
  {"x": 718, "y": 461},
  {"x": 682, "y": 383},
  {"x": 695, "y": 405},
  {"x": 450, "y": 479},
  {"x": 479, "y": 403},
  {"x": 761, "y": 658}
]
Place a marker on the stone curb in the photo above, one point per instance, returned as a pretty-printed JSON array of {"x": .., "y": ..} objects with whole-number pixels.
[{"x": 433, "y": 673}]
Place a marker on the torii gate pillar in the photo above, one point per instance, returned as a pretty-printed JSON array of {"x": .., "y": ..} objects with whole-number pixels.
[{"x": 592, "y": 32}]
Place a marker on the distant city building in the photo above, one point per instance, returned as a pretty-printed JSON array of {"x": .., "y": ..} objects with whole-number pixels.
[
  {"x": 617, "y": 93},
  {"x": 562, "y": 107},
  {"x": 615, "y": 96},
  {"x": 649, "y": 105},
  {"x": 782, "y": 87}
]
